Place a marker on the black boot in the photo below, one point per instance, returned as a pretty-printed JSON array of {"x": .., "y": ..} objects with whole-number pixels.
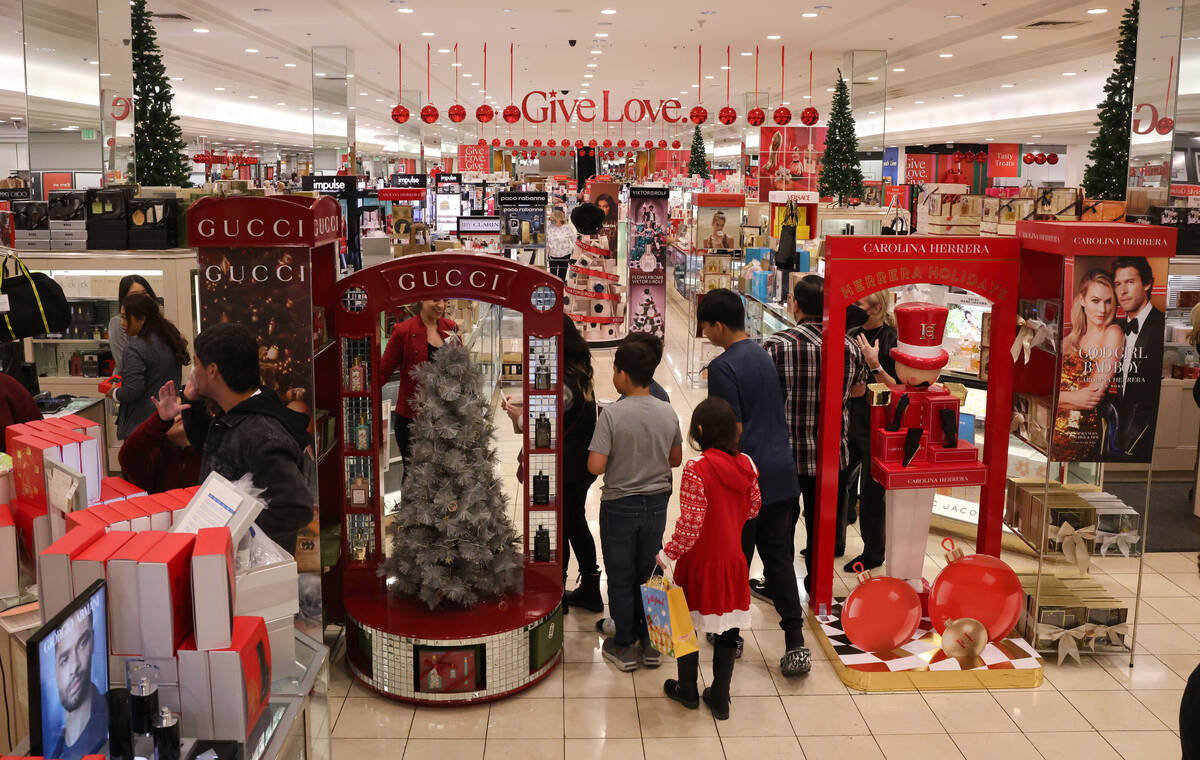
[
  {"x": 684, "y": 690},
  {"x": 587, "y": 594},
  {"x": 717, "y": 695}
]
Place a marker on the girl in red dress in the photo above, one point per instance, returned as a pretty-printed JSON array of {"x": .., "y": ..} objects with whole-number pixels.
[{"x": 717, "y": 495}]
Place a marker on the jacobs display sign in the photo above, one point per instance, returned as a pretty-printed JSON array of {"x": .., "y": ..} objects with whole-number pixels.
[{"x": 540, "y": 106}]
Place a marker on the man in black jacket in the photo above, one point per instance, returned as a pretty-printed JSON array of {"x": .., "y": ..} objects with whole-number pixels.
[{"x": 254, "y": 435}]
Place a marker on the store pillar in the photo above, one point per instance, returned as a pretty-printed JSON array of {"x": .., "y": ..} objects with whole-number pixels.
[
  {"x": 866, "y": 73},
  {"x": 333, "y": 122}
]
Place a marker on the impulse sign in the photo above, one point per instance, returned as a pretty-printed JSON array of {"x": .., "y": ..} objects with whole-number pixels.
[{"x": 538, "y": 107}]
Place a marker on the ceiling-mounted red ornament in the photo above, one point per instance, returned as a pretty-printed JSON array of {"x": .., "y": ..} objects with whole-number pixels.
[
  {"x": 543, "y": 153},
  {"x": 662, "y": 143},
  {"x": 485, "y": 113},
  {"x": 400, "y": 114},
  {"x": 537, "y": 143},
  {"x": 1028, "y": 158},
  {"x": 592, "y": 143},
  {"x": 552, "y": 142},
  {"x": 509, "y": 143},
  {"x": 809, "y": 116},
  {"x": 524, "y": 143},
  {"x": 620, "y": 143},
  {"x": 572, "y": 154},
  {"x": 635, "y": 143},
  {"x": 1040, "y": 158},
  {"x": 579, "y": 143},
  {"x": 699, "y": 115},
  {"x": 483, "y": 141},
  {"x": 1052, "y": 158},
  {"x": 676, "y": 144},
  {"x": 429, "y": 113},
  {"x": 496, "y": 142},
  {"x": 957, "y": 156},
  {"x": 512, "y": 114},
  {"x": 607, "y": 143},
  {"x": 1164, "y": 125},
  {"x": 727, "y": 115},
  {"x": 456, "y": 113},
  {"x": 782, "y": 115},
  {"x": 756, "y": 117},
  {"x": 621, "y": 154}
]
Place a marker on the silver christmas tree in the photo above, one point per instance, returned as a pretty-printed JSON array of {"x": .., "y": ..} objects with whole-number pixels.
[{"x": 452, "y": 540}]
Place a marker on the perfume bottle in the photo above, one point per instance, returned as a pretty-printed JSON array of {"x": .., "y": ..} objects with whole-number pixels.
[
  {"x": 541, "y": 374},
  {"x": 541, "y": 432},
  {"x": 541, "y": 545},
  {"x": 435, "y": 678},
  {"x": 541, "y": 488},
  {"x": 362, "y": 434},
  {"x": 358, "y": 377},
  {"x": 358, "y": 491}
]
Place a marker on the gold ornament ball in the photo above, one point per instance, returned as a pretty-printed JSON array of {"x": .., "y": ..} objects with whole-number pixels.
[{"x": 965, "y": 637}]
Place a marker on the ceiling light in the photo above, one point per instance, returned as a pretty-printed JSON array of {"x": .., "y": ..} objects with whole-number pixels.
[
  {"x": 378, "y": 100},
  {"x": 1008, "y": 36},
  {"x": 747, "y": 53},
  {"x": 945, "y": 55},
  {"x": 337, "y": 113},
  {"x": 426, "y": 34},
  {"x": 898, "y": 71},
  {"x": 404, "y": 10},
  {"x": 219, "y": 89},
  {"x": 319, "y": 74},
  {"x": 772, "y": 36},
  {"x": 584, "y": 92},
  {"x": 1068, "y": 73},
  {"x": 683, "y": 92},
  {"x": 953, "y": 16},
  {"x": 1035, "y": 135},
  {"x": 251, "y": 50},
  {"x": 989, "y": 139},
  {"x": 362, "y": 93},
  {"x": 609, "y": 12},
  {"x": 254, "y": 97},
  {"x": 589, "y": 76},
  {"x": 200, "y": 30},
  {"x": 1007, "y": 85},
  {"x": 281, "y": 103},
  {"x": 456, "y": 64},
  {"x": 919, "y": 102},
  {"x": 601, "y": 34},
  {"x": 591, "y": 65},
  {"x": 176, "y": 79},
  {"x": 958, "y": 94},
  {"x": 506, "y": 10},
  {"x": 828, "y": 89},
  {"x": 726, "y": 68},
  {"x": 786, "y": 103},
  {"x": 808, "y": 97},
  {"x": 289, "y": 65},
  {"x": 1097, "y": 11},
  {"x": 474, "y": 84},
  {"x": 872, "y": 79},
  {"x": 708, "y": 76},
  {"x": 870, "y": 113},
  {"x": 595, "y": 52},
  {"x": 1091, "y": 131},
  {"x": 810, "y": 14},
  {"x": 443, "y": 50},
  {"x": 105, "y": 74},
  {"x": 94, "y": 63}
]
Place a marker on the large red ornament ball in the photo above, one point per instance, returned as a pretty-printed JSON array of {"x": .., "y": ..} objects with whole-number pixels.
[
  {"x": 483, "y": 141},
  {"x": 699, "y": 115},
  {"x": 607, "y": 143},
  {"x": 400, "y": 114},
  {"x": 572, "y": 154},
  {"x": 485, "y": 113},
  {"x": 809, "y": 116},
  {"x": 635, "y": 143},
  {"x": 756, "y": 117},
  {"x": 537, "y": 143},
  {"x": 675, "y": 144},
  {"x": 782, "y": 115},
  {"x": 1052, "y": 158},
  {"x": 620, "y": 143},
  {"x": 509, "y": 143},
  {"x": 543, "y": 153},
  {"x": 512, "y": 114},
  {"x": 552, "y": 142},
  {"x": 620, "y": 154},
  {"x": 662, "y": 143},
  {"x": 977, "y": 586},
  {"x": 429, "y": 113},
  {"x": 496, "y": 142},
  {"x": 1040, "y": 158},
  {"x": 958, "y": 156},
  {"x": 881, "y": 614},
  {"x": 592, "y": 143},
  {"x": 1164, "y": 125},
  {"x": 1028, "y": 159},
  {"x": 524, "y": 143},
  {"x": 727, "y": 115},
  {"x": 456, "y": 113}
]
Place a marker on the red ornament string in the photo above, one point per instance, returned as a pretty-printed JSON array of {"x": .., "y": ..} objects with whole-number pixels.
[
  {"x": 810, "y": 76},
  {"x": 756, "y": 76},
  {"x": 728, "y": 69},
  {"x": 428, "y": 93},
  {"x": 485, "y": 89},
  {"x": 400, "y": 73},
  {"x": 782, "y": 70},
  {"x": 456, "y": 72},
  {"x": 510, "y": 72},
  {"x": 699, "y": 73}
]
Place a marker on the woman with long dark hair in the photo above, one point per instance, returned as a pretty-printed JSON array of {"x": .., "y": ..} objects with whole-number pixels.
[
  {"x": 130, "y": 285},
  {"x": 155, "y": 354}
]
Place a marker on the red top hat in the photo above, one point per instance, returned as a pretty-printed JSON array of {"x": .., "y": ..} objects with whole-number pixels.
[{"x": 919, "y": 343}]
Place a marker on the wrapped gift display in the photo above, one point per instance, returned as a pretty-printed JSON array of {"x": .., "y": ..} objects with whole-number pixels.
[
  {"x": 1059, "y": 203},
  {"x": 1074, "y": 612},
  {"x": 1103, "y": 211}
]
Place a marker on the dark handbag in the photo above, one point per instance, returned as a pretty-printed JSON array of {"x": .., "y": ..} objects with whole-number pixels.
[
  {"x": 899, "y": 225},
  {"x": 32, "y": 303},
  {"x": 785, "y": 254}
]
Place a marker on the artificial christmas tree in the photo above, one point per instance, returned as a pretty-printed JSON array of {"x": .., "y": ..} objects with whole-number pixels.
[
  {"x": 159, "y": 139},
  {"x": 1106, "y": 177},
  {"x": 697, "y": 165},
  {"x": 647, "y": 317},
  {"x": 841, "y": 173},
  {"x": 452, "y": 540}
]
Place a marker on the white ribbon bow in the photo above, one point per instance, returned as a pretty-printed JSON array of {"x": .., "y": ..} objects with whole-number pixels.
[
  {"x": 1113, "y": 633},
  {"x": 1030, "y": 334},
  {"x": 1068, "y": 639},
  {"x": 1072, "y": 542},
  {"x": 1124, "y": 541}
]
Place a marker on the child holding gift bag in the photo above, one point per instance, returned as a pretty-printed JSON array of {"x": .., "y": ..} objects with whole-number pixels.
[{"x": 717, "y": 495}]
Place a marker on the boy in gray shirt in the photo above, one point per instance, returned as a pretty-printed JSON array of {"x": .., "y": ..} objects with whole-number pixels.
[{"x": 636, "y": 444}]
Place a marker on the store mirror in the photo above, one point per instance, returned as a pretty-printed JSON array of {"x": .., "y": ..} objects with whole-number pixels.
[
  {"x": 1157, "y": 78},
  {"x": 332, "y": 102},
  {"x": 1185, "y": 158},
  {"x": 62, "y": 75},
  {"x": 865, "y": 72},
  {"x": 14, "y": 141},
  {"x": 116, "y": 91}
]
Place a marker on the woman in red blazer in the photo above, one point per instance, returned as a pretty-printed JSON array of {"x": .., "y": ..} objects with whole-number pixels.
[{"x": 412, "y": 343}]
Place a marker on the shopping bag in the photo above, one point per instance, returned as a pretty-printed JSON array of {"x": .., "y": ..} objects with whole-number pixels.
[
  {"x": 785, "y": 254},
  {"x": 31, "y": 303},
  {"x": 667, "y": 617}
]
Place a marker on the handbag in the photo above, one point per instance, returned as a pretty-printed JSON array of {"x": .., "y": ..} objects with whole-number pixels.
[
  {"x": 31, "y": 303},
  {"x": 785, "y": 254},
  {"x": 899, "y": 225},
  {"x": 667, "y": 617}
]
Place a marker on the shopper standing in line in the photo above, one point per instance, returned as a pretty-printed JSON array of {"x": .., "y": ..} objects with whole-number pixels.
[
  {"x": 636, "y": 445},
  {"x": 560, "y": 244},
  {"x": 655, "y": 344},
  {"x": 875, "y": 339},
  {"x": 718, "y": 493},
  {"x": 412, "y": 343},
  {"x": 154, "y": 356},
  {"x": 130, "y": 285},
  {"x": 745, "y": 377}
]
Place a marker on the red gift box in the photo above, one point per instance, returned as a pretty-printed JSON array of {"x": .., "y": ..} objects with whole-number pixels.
[{"x": 165, "y": 594}]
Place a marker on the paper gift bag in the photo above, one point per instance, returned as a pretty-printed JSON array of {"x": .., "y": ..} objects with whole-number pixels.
[{"x": 667, "y": 618}]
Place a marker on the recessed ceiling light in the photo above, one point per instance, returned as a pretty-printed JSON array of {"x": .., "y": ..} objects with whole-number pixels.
[
  {"x": 1097, "y": 11},
  {"x": 870, "y": 113},
  {"x": 953, "y": 16},
  {"x": 319, "y": 74},
  {"x": 591, "y": 65},
  {"x": 1008, "y": 36},
  {"x": 808, "y": 97},
  {"x": 609, "y": 12},
  {"x": 695, "y": 85},
  {"x": 589, "y": 76},
  {"x": 683, "y": 92},
  {"x": 709, "y": 76},
  {"x": 281, "y": 103},
  {"x": 289, "y": 65},
  {"x": 958, "y": 94},
  {"x": 747, "y": 53},
  {"x": 601, "y": 34},
  {"x": 584, "y": 92},
  {"x": 989, "y": 139},
  {"x": 1093, "y": 131},
  {"x": 474, "y": 84},
  {"x": 1007, "y": 85},
  {"x": 105, "y": 74},
  {"x": 176, "y": 79},
  {"x": 828, "y": 89},
  {"x": 772, "y": 36},
  {"x": 810, "y": 14},
  {"x": 898, "y": 71},
  {"x": 786, "y": 103},
  {"x": 427, "y": 34},
  {"x": 945, "y": 55},
  {"x": 919, "y": 102},
  {"x": 726, "y": 68},
  {"x": 595, "y": 52},
  {"x": 251, "y": 50},
  {"x": 404, "y": 10},
  {"x": 1068, "y": 73},
  {"x": 254, "y": 97},
  {"x": 349, "y": 76},
  {"x": 219, "y": 89},
  {"x": 872, "y": 79},
  {"x": 337, "y": 113},
  {"x": 1035, "y": 135},
  {"x": 94, "y": 63},
  {"x": 506, "y": 10},
  {"x": 378, "y": 100},
  {"x": 200, "y": 30}
]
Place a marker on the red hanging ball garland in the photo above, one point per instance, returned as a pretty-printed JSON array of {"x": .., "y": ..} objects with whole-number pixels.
[
  {"x": 1028, "y": 159},
  {"x": 1052, "y": 158},
  {"x": 512, "y": 114},
  {"x": 782, "y": 115},
  {"x": 756, "y": 117},
  {"x": 809, "y": 116},
  {"x": 485, "y": 114},
  {"x": 496, "y": 142},
  {"x": 727, "y": 115},
  {"x": 662, "y": 143},
  {"x": 456, "y": 113},
  {"x": 1040, "y": 158},
  {"x": 607, "y": 143},
  {"x": 429, "y": 113},
  {"x": 400, "y": 114},
  {"x": 699, "y": 115}
]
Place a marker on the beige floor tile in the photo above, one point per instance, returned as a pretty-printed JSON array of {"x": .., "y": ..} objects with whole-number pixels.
[
  {"x": 1116, "y": 564},
  {"x": 750, "y": 679},
  {"x": 1189, "y": 582},
  {"x": 1181, "y": 610},
  {"x": 1041, "y": 711},
  {"x": 918, "y": 747},
  {"x": 1153, "y": 584},
  {"x": 467, "y": 722},
  {"x": 582, "y": 620},
  {"x": 339, "y": 678},
  {"x": 755, "y": 716},
  {"x": 526, "y": 749},
  {"x": 1138, "y": 745},
  {"x": 1164, "y": 703},
  {"x": 822, "y": 679},
  {"x": 977, "y": 712},
  {"x": 761, "y": 748},
  {"x": 1113, "y": 710},
  {"x": 771, "y": 644},
  {"x": 1012, "y": 746},
  {"x": 1146, "y": 613},
  {"x": 840, "y": 748},
  {"x": 439, "y": 749},
  {"x": 598, "y": 718},
  {"x": 1148, "y": 671},
  {"x": 1171, "y": 562},
  {"x": 373, "y": 718},
  {"x": 1064, "y": 744},
  {"x": 663, "y": 718},
  {"x": 526, "y": 719},
  {"x": 1181, "y": 665},
  {"x": 550, "y": 687},
  {"x": 1086, "y": 675},
  {"x": 604, "y": 749},
  {"x": 826, "y": 715},
  {"x": 692, "y": 748},
  {"x": 595, "y": 679},
  {"x": 649, "y": 682},
  {"x": 897, "y": 714},
  {"x": 357, "y": 749},
  {"x": 1166, "y": 638},
  {"x": 582, "y": 646}
]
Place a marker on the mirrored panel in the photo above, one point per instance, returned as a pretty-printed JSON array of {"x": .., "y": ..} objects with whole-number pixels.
[
  {"x": 332, "y": 108},
  {"x": 14, "y": 142},
  {"x": 116, "y": 91},
  {"x": 1156, "y": 81}
]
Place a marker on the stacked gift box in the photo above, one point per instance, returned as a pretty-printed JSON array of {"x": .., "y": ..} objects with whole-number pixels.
[
  {"x": 1063, "y": 204},
  {"x": 31, "y": 225},
  {"x": 1185, "y": 220},
  {"x": 1030, "y": 505},
  {"x": 951, "y": 214},
  {"x": 1074, "y": 604},
  {"x": 68, "y": 220},
  {"x": 929, "y": 201},
  {"x": 999, "y": 216}
]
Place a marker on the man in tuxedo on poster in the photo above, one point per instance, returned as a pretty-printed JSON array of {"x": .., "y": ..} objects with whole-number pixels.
[{"x": 1136, "y": 384}]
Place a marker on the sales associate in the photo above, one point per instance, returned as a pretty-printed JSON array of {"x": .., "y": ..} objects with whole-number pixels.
[
  {"x": 130, "y": 285},
  {"x": 154, "y": 356},
  {"x": 412, "y": 343}
]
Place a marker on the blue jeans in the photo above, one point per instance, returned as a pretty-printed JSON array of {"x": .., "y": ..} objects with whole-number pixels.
[{"x": 631, "y": 531}]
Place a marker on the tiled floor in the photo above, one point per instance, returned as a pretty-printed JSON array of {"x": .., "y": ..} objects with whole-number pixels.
[{"x": 1099, "y": 709}]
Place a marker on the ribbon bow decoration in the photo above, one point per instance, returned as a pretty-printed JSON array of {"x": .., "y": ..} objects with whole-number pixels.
[
  {"x": 1124, "y": 541},
  {"x": 1068, "y": 639},
  {"x": 1115, "y": 634},
  {"x": 1072, "y": 542},
  {"x": 1030, "y": 334}
]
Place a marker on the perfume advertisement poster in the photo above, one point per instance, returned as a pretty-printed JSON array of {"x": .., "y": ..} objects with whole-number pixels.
[
  {"x": 647, "y": 260},
  {"x": 790, "y": 158},
  {"x": 718, "y": 228},
  {"x": 1112, "y": 353},
  {"x": 605, "y": 195}
]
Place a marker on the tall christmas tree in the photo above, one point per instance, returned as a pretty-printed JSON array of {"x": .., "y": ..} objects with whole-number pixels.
[
  {"x": 841, "y": 173},
  {"x": 452, "y": 541},
  {"x": 159, "y": 140},
  {"x": 1108, "y": 174},
  {"x": 697, "y": 165}
]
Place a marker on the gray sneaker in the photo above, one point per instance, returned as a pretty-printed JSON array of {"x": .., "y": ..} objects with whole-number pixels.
[
  {"x": 625, "y": 658},
  {"x": 651, "y": 657},
  {"x": 796, "y": 662},
  {"x": 606, "y": 626}
]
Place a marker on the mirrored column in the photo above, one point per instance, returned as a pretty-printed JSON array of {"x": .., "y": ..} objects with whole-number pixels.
[
  {"x": 116, "y": 92},
  {"x": 333, "y": 109},
  {"x": 865, "y": 72},
  {"x": 1155, "y": 84}
]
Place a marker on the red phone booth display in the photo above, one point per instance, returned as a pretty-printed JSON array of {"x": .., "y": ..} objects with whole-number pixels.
[{"x": 395, "y": 645}]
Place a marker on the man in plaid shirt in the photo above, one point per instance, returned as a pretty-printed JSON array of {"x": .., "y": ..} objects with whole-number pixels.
[{"x": 797, "y": 356}]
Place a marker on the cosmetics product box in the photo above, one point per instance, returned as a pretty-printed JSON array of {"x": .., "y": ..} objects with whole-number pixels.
[{"x": 165, "y": 594}]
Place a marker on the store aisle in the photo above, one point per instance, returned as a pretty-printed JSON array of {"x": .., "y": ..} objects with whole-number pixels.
[{"x": 586, "y": 709}]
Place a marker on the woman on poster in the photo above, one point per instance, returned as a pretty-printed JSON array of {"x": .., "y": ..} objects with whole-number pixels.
[
  {"x": 717, "y": 239},
  {"x": 412, "y": 343}
]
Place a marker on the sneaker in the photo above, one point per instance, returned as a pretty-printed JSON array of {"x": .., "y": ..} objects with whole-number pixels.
[
  {"x": 795, "y": 662},
  {"x": 711, "y": 638},
  {"x": 741, "y": 645},
  {"x": 625, "y": 658},
  {"x": 758, "y": 589},
  {"x": 606, "y": 626},
  {"x": 651, "y": 657}
]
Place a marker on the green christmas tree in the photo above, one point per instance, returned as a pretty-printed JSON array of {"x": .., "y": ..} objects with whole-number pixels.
[
  {"x": 697, "y": 166},
  {"x": 841, "y": 173},
  {"x": 452, "y": 541},
  {"x": 1108, "y": 174},
  {"x": 159, "y": 140}
]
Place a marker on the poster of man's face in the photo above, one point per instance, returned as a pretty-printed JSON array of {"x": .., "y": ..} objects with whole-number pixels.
[{"x": 74, "y": 678}]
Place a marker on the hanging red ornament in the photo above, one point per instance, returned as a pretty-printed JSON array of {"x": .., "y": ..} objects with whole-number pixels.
[
  {"x": 400, "y": 114},
  {"x": 456, "y": 113},
  {"x": 607, "y": 143},
  {"x": 1040, "y": 158},
  {"x": 1028, "y": 158},
  {"x": 620, "y": 143},
  {"x": 496, "y": 142},
  {"x": 1164, "y": 125},
  {"x": 957, "y": 157},
  {"x": 699, "y": 115},
  {"x": 485, "y": 113},
  {"x": 512, "y": 114},
  {"x": 969, "y": 157},
  {"x": 756, "y": 117},
  {"x": 676, "y": 144},
  {"x": 727, "y": 115},
  {"x": 880, "y": 614},
  {"x": 782, "y": 115},
  {"x": 552, "y": 142},
  {"x": 579, "y": 143},
  {"x": 543, "y": 153},
  {"x": 1052, "y": 158},
  {"x": 509, "y": 143},
  {"x": 635, "y": 143},
  {"x": 979, "y": 586},
  {"x": 662, "y": 143},
  {"x": 483, "y": 141},
  {"x": 592, "y": 143},
  {"x": 524, "y": 143},
  {"x": 620, "y": 154},
  {"x": 572, "y": 154},
  {"x": 537, "y": 143},
  {"x": 809, "y": 116},
  {"x": 429, "y": 113}
]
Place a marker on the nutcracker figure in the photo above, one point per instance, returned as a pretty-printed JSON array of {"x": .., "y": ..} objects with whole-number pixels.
[{"x": 915, "y": 447}]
